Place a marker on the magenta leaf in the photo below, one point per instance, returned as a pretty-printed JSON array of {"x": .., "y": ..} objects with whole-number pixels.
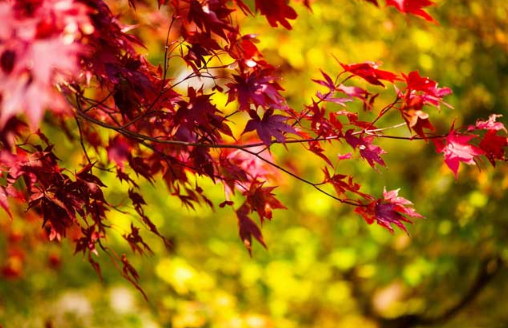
[{"x": 457, "y": 149}]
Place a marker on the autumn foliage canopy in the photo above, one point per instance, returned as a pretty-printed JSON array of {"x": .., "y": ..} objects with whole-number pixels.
[{"x": 75, "y": 65}]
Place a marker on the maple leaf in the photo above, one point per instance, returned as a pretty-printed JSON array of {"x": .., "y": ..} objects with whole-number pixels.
[
  {"x": 315, "y": 147},
  {"x": 493, "y": 146},
  {"x": 276, "y": 11},
  {"x": 369, "y": 72},
  {"x": 259, "y": 88},
  {"x": 201, "y": 45},
  {"x": 490, "y": 124},
  {"x": 371, "y": 153},
  {"x": 89, "y": 184},
  {"x": 420, "y": 91},
  {"x": 38, "y": 56},
  {"x": 391, "y": 209},
  {"x": 242, "y": 47},
  {"x": 210, "y": 16},
  {"x": 457, "y": 149},
  {"x": 344, "y": 183},
  {"x": 417, "y": 120},
  {"x": 327, "y": 82},
  {"x": 413, "y": 7},
  {"x": 430, "y": 93},
  {"x": 118, "y": 150},
  {"x": 353, "y": 91},
  {"x": 248, "y": 229},
  {"x": 240, "y": 165},
  {"x": 268, "y": 127},
  {"x": 134, "y": 239},
  {"x": 262, "y": 200}
]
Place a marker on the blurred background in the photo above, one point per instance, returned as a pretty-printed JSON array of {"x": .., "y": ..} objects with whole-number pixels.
[{"x": 324, "y": 267}]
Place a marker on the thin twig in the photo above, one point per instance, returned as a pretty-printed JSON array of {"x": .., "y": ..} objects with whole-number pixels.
[{"x": 315, "y": 185}]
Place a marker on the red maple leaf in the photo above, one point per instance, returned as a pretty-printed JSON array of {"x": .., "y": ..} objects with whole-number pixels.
[
  {"x": 493, "y": 146},
  {"x": 248, "y": 228},
  {"x": 259, "y": 88},
  {"x": 344, "y": 183},
  {"x": 413, "y": 7},
  {"x": 430, "y": 92},
  {"x": 262, "y": 200},
  {"x": 268, "y": 127},
  {"x": 369, "y": 72},
  {"x": 457, "y": 149},
  {"x": 242, "y": 47},
  {"x": 276, "y": 11},
  {"x": 420, "y": 91},
  {"x": 391, "y": 209},
  {"x": 417, "y": 120}
]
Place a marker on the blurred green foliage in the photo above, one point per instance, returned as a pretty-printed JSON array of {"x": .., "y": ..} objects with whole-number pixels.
[{"x": 324, "y": 267}]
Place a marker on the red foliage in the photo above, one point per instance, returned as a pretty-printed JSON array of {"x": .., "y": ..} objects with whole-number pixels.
[{"x": 77, "y": 62}]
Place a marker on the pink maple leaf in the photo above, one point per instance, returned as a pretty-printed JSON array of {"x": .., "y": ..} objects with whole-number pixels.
[
  {"x": 37, "y": 54},
  {"x": 490, "y": 124},
  {"x": 457, "y": 149}
]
